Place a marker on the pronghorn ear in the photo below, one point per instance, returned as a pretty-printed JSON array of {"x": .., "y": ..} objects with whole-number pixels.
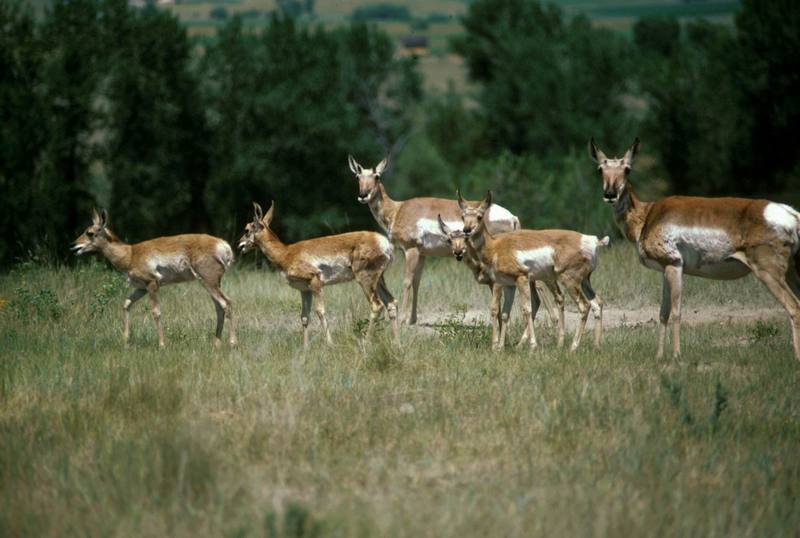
[
  {"x": 487, "y": 202},
  {"x": 268, "y": 217},
  {"x": 382, "y": 165},
  {"x": 354, "y": 166},
  {"x": 103, "y": 218},
  {"x": 258, "y": 212},
  {"x": 95, "y": 217},
  {"x": 595, "y": 154},
  {"x": 461, "y": 204},
  {"x": 631, "y": 153},
  {"x": 443, "y": 226}
]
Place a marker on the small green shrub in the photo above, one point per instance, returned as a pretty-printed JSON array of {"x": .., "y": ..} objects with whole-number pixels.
[
  {"x": 35, "y": 305},
  {"x": 763, "y": 330}
]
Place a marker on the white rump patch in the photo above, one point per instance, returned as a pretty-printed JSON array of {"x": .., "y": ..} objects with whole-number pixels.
[
  {"x": 431, "y": 236},
  {"x": 386, "y": 246},
  {"x": 589, "y": 245},
  {"x": 333, "y": 269},
  {"x": 224, "y": 253},
  {"x": 500, "y": 219},
  {"x": 782, "y": 217},
  {"x": 539, "y": 261}
]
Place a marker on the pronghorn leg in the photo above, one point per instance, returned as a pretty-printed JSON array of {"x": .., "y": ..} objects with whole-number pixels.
[
  {"x": 155, "y": 308},
  {"x": 596, "y": 304},
  {"x": 559, "y": 299},
  {"x": 415, "y": 288},
  {"x": 549, "y": 304},
  {"x": 134, "y": 296},
  {"x": 535, "y": 304},
  {"x": 674, "y": 275},
  {"x": 793, "y": 279},
  {"x": 505, "y": 313},
  {"x": 771, "y": 270},
  {"x": 412, "y": 259},
  {"x": 494, "y": 309},
  {"x": 388, "y": 301},
  {"x": 305, "y": 297},
  {"x": 573, "y": 287},
  {"x": 369, "y": 283},
  {"x": 524, "y": 285},
  {"x": 223, "y": 307},
  {"x": 663, "y": 316},
  {"x": 319, "y": 308}
]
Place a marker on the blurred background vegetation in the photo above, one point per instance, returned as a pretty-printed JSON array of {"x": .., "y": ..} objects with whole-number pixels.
[{"x": 177, "y": 115}]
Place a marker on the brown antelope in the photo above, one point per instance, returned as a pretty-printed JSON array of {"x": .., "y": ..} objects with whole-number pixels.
[
  {"x": 719, "y": 238},
  {"x": 310, "y": 265},
  {"x": 522, "y": 257},
  {"x": 161, "y": 261},
  {"x": 412, "y": 225}
]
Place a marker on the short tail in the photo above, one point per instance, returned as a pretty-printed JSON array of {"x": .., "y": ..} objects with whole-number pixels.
[
  {"x": 224, "y": 254},
  {"x": 515, "y": 225},
  {"x": 604, "y": 242}
]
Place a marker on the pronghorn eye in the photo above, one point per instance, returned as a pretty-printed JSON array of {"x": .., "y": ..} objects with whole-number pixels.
[{"x": 90, "y": 233}]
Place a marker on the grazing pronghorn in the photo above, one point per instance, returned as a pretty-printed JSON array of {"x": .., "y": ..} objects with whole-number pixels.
[
  {"x": 412, "y": 225},
  {"x": 310, "y": 265},
  {"x": 718, "y": 238},
  {"x": 522, "y": 257},
  {"x": 161, "y": 261}
]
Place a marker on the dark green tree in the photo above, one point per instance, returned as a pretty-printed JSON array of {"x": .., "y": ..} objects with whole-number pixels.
[
  {"x": 24, "y": 219},
  {"x": 156, "y": 153},
  {"x": 547, "y": 83}
]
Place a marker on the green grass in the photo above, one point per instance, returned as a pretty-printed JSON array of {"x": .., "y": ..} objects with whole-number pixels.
[{"x": 440, "y": 438}]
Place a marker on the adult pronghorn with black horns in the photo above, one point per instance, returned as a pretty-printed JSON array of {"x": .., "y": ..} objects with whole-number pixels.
[
  {"x": 149, "y": 265},
  {"x": 310, "y": 265},
  {"x": 413, "y": 225},
  {"x": 718, "y": 238}
]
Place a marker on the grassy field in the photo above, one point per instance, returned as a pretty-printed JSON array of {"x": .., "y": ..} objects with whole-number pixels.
[{"x": 439, "y": 438}]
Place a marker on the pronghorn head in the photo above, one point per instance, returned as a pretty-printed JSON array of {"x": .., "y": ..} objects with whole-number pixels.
[
  {"x": 95, "y": 236},
  {"x": 254, "y": 229},
  {"x": 613, "y": 171},
  {"x": 472, "y": 212},
  {"x": 456, "y": 238},
  {"x": 368, "y": 178}
]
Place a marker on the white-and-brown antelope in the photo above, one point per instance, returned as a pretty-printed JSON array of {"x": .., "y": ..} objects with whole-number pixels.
[
  {"x": 149, "y": 265},
  {"x": 522, "y": 257},
  {"x": 718, "y": 238},
  {"x": 412, "y": 225},
  {"x": 310, "y": 265}
]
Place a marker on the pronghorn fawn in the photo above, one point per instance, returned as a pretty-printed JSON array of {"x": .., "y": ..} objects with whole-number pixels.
[
  {"x": 718, "y": 238},
  {"x": 312, "y": 264},
  {"x": 149, "y": 265},
  {"x": 412, "y": 225},
  {"x": 522, "y": 257}
]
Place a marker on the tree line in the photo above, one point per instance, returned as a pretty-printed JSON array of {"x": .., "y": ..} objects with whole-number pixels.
[{"x": 102, "y": 104}]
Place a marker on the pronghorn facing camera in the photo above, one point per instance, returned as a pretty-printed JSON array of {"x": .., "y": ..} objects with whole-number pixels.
[
  {"x": 718, "y": 238},
  {"x": 412, "y": 225},
  {"x": 555, "y": 257},
  {"x": 161, "y": 261},
  {"x": 310, "y": 265}
]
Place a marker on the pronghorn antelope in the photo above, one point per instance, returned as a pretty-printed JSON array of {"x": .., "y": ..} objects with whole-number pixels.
[
  {"x": 161, "y": 261},
  {"x": 310, "y": 265},
  {"x": 719, "y": 238},
  {"x": 522, "y": 257},
  {"x": 471, "y": 215},
  {"x": 412, "y": 225}
]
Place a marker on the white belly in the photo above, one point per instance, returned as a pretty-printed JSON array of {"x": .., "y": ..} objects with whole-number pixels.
[
  {"x": 169, "y": 269},
  {"x": 538, "y": 261},
  {"x": 333, "y": 269}
]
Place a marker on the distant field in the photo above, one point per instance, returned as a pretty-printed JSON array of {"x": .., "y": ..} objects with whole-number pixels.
[{"x": 619, "y": 15}]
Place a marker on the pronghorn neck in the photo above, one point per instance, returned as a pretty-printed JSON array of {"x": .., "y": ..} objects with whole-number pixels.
[
  {"x": 478, "y": 241},
  {"x": 383, "y": 208},
  {"x": 273, "y": 248},
  {"x": 117, "y": 252},
  {"x": 630, "y": 214}
]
